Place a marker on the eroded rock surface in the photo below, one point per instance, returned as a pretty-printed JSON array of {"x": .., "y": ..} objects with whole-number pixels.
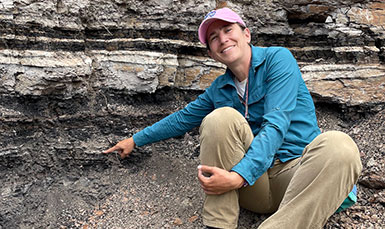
[
  {"x": 68, "y": 47},
  {"x": 78, "y": 76}
]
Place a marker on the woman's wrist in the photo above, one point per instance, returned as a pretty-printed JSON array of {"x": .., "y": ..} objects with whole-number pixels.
[{"x": 239, "y": 180}]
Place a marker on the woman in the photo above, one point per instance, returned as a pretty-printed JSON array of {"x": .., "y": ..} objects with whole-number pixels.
[{"x": 261, "y": 147}]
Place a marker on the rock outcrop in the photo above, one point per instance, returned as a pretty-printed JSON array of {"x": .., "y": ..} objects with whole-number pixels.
[
  {"x": 67, "y": 47},
  {"x": 76, "y": 76}
]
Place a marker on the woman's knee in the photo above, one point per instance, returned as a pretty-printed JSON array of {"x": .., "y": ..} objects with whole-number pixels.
[
  {"x": 339, "y": 148},
  {"x": 224, "y": 138},
  {"x": 220, "y": 118},
  {"x": 341, "y": 143}
]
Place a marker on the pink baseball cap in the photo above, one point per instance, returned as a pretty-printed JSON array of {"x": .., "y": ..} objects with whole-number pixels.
[{"x": 224, "y": 14}]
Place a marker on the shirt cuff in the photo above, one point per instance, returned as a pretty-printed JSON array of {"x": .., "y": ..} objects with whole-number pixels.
[{"x": 139, "y": 139}]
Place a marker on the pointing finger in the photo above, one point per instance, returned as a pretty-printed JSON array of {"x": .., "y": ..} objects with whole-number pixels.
[{"x": 112, "y": 149}]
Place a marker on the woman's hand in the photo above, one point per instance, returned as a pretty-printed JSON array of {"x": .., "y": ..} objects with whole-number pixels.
[
  {"x": 124, "y": 148},
  {"x": 215, "y": 181}
]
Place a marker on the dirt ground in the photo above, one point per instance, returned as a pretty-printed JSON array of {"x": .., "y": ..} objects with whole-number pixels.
[{"x": 53, "y": 174}]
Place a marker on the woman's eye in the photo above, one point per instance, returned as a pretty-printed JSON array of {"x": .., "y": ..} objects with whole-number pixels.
[{"x": 228, "y": 30}]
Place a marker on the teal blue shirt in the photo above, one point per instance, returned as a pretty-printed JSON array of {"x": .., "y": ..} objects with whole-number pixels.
[{"x": 281, "y": 112}]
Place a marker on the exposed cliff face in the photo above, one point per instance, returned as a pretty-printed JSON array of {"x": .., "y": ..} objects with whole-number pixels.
[
  {"x": 76, "y": 76},
  {"x": 69, "y": 47}
]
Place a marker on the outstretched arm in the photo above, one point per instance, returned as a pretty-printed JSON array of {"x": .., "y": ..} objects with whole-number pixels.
[{"x": 171, "y": 126}]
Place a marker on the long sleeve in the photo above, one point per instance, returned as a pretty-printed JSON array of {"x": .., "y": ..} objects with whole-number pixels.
[{"x": 177, "y": 123}]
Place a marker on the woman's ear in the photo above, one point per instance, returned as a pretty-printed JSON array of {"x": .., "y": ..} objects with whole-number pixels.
[
  {"x": 209, "y": 53},
  {"x": 247, "y": 33}
]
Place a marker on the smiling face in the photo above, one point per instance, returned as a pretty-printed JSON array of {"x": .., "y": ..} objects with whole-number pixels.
[{"x": 228, "y": 42}]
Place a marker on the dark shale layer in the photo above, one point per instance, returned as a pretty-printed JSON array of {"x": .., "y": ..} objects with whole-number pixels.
[{"x": 78, "y": 76}]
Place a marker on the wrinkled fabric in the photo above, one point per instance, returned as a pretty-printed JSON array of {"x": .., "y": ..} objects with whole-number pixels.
[{"x": 281, "y": 112}]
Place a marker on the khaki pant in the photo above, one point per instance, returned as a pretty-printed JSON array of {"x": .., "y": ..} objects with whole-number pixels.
[{"x": 302, "y": 193}]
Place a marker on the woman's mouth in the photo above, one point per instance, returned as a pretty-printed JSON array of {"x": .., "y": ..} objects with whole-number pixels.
[{"x": 227, "y": 49}]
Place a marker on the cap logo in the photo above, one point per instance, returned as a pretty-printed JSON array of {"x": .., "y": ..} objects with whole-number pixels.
[{"x": 210, "y": 14}]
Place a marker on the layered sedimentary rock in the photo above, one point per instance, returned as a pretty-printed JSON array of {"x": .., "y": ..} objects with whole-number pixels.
[
  {"x": 68, "y": 47},
  {"x": 77, "y": 76}
]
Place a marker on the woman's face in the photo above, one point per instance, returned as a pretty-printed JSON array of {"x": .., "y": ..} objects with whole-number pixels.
[{"x": 228, "y": 42}]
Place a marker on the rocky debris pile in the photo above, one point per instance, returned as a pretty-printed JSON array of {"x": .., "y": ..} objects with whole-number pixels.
[
  {"x": 55, "y": 175},
  {"x": 77, "y": 76}
]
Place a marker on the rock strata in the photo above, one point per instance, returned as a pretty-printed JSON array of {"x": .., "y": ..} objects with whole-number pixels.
[
  {"x": 78, "y": 76},
  {"x": 149, "y": 45}
]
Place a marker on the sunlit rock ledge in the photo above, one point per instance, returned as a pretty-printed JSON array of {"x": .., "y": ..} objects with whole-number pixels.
[{"x": 37, "y": 72}]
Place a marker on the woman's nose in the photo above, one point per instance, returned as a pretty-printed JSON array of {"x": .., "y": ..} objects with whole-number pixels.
[{"x": 223, "y": 38}]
